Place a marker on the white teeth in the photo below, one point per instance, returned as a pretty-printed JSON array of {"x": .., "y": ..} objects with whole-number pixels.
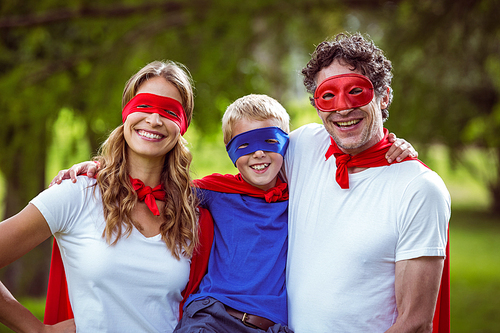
[
  {"x": 149, "y": 135},
  {"x": 260, "y": 167},
  {"x": 348, "y": 123}
]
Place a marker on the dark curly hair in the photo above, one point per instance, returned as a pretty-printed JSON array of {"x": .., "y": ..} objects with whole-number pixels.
[{"x": 356, "y": 51}]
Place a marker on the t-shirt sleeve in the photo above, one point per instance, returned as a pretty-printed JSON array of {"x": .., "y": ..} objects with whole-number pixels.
[
  {"x": 61, "y": 205},
  {"x": 423, "y": 218}
]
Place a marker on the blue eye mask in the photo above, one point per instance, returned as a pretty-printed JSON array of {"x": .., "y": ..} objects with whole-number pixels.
[{"x": 272, "y": 139}]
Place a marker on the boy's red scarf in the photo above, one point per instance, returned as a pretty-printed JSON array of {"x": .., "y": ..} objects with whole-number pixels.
[
  {"x": 236, "y": 184},
  {"x": 58, "y": 307},
  {"x": 375, "y": 157}
]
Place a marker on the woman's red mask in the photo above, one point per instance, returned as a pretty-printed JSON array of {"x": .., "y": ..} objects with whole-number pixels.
[
  {"x": 164, "y": 106},
  {"x": 343, "y": 92}
]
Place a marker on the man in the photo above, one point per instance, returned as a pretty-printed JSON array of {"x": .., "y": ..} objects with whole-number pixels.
[{"x": 367, "y": 240}]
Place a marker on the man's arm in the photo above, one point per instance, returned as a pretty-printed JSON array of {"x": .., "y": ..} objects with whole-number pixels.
[{"x": 417, "y": 287}]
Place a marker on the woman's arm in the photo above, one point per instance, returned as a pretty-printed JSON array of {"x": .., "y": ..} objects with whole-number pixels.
[
  {"x": 21, "y": 233},
  {"x": 18, "y": 235},
  {"x": 19, "y": 319}
]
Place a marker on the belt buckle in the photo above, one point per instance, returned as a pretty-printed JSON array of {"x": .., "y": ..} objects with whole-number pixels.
[{"x": 243, "y": 320}]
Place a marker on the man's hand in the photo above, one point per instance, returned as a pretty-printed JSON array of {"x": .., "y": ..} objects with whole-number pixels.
[
  {"x": 84, "y": 167},
  {"x": 400, "y": 149}
]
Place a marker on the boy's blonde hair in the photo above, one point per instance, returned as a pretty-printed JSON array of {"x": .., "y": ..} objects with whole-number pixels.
[{"x": 253, "y": 107}]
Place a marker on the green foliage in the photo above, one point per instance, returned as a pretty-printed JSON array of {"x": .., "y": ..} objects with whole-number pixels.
[
  {"x": 446, "y": 58},
  {"x": 69, "y": 143}
]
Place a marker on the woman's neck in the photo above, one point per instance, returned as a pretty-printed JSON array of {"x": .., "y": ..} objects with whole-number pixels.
[{"x": 148, "y": 171}]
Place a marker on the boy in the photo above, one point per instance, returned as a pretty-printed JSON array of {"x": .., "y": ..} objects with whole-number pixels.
[{"x": 244, "y": 288}]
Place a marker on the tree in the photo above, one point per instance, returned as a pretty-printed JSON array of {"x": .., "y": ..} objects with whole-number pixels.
[
  {"x": 76, "y": 56},
  {"x": 446, "y": 57}
]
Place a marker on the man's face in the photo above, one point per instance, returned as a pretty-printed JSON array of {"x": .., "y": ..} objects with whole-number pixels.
[{"x": 354, "y": 130}]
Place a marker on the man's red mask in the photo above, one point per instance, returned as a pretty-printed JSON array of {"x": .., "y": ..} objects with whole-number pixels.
[
  {"x": 164, "y": 106},
  {"x": 343, "y": 92}
]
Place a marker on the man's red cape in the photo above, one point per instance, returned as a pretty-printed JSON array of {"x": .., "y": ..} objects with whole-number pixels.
[
  {"x": 441, "y": 323},
  {"x": 58, "y": 307}
]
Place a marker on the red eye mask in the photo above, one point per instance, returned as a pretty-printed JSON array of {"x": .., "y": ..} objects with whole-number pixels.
[
  {"x": 164, "y": 106},
  {"x": 343, "y": 92}
]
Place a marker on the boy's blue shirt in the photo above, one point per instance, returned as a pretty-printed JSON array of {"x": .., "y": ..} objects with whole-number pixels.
[{"x": 246, "y": 269}]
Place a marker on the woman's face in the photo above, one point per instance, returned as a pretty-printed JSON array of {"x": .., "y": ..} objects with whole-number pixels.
[{"x": 149, "y": 135}]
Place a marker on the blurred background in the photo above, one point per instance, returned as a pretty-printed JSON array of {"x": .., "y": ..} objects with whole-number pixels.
[{"x": 63, "y": 65}]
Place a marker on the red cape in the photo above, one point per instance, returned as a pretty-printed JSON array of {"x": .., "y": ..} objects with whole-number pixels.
[
  {"x": 441, "y": 323},
  {"x": 58, "y": 307},
  {"x": 236, "y": 184}
]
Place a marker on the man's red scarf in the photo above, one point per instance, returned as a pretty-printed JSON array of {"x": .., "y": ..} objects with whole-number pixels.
[
  {"x": 375, "y": 157},
  {"x": 369, "y": 158},
  {"x": 58, "y": 307},
  {"x": 236, "y": 184}
]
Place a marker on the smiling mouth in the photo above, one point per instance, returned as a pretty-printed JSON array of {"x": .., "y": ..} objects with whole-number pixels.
[
  {"x": 149, "y": 135},
  {"x": 347, "y": 123},
  {"x": 260, "y": 167}
]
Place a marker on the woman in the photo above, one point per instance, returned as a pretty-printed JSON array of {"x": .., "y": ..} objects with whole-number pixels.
[{"x": 126, "y": 238}]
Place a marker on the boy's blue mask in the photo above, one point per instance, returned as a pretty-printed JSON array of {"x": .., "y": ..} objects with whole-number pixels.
[{"x": 272, "y": 139}]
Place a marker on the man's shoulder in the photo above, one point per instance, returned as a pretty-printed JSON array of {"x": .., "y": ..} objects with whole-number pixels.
[
  {"x": 306, "y": 134},
  {"x": 420, "y": 177},
  {"x": 309, "y": 129}
]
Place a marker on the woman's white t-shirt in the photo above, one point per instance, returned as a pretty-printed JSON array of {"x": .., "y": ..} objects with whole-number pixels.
[{"x": 132, "y": 286}]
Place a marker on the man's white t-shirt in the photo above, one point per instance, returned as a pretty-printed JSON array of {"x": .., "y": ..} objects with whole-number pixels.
[
  {"x": 132, "y": 286},
  {"x": 343, "y": 244}
]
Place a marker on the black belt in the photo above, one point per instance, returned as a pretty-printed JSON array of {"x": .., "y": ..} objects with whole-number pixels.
[{"x": 250, "y": 320}]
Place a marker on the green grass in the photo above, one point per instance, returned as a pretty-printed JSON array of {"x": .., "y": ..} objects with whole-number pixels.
[{"x": 475, "y": 272}]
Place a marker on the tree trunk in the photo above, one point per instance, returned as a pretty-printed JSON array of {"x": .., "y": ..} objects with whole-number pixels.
[{"x": 495, "y": 187}]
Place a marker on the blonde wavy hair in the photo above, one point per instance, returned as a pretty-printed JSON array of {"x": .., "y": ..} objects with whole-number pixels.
[
  {"x": 253, "y": 107},
  {"x": 179, "y": 229}
]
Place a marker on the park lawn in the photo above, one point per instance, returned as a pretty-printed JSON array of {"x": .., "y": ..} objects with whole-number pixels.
[{"x": 475, "y": 272}]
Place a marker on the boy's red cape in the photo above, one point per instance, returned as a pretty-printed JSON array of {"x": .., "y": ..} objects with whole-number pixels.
[
  {"x": 236, "y": 184},
  {"x": 58, "y": 307}
]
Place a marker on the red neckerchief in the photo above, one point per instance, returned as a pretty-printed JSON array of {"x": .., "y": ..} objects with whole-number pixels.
[
  {"x": 236, "y": 184},
  {"x": 148, "y": 195},
  {"x": 375, "y": 157},
  {"x": 369, "y": 158},
  {"x": 58, "y": 307}
]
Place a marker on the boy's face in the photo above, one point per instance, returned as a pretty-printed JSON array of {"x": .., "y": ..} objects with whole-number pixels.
[{"x": 259, "y": 168}]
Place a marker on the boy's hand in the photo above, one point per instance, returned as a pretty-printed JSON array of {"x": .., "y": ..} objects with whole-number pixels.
[
  {"x": 84, "y": 167},
  {"x": 400, "y": 149}
]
